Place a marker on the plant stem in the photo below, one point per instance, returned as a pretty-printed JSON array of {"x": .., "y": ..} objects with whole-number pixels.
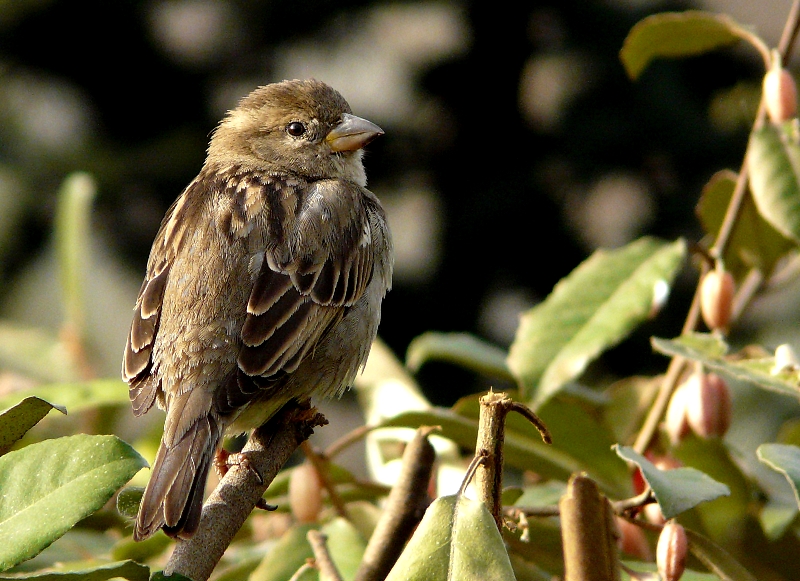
[{"x": 677, "y": 365}]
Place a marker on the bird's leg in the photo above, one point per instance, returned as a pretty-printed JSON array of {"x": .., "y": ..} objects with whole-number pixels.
[{"x": 223, "y": 460}]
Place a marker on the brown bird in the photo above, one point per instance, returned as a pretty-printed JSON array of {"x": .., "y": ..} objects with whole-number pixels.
[{"x": 264, "y": 285}]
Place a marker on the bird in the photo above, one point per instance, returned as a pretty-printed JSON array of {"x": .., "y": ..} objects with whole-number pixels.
[{"x": 264, "y": 285}]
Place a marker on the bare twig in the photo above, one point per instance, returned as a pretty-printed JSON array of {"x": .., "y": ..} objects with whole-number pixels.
[
  {"x": 305, "y": 567},
  {"x": 346, "y": 440},
  {"x": 403, "y": 511},
  {"x": 234, "y": 498},
  {"x": 322, "y": 558},
  {"x": 491, "y": 437},
  {"x": 320, "y": 465}
]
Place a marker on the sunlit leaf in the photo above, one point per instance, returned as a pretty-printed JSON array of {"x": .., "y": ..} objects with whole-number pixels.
[
  {"x": 589, "y": 311},
  {"x": 17, "y": 420},
  {"x": 35, "y": 353},
  {"x": 457, "y": 539},
  {"x": 346, "y": 546},
  {"x": 773, "y": 161},
  {"x": 676, "y": 490},
  {"x": 78, "y": 396},
  {"x": 461, "y": 349},
  {"x": 676, "y": 34},
  {"x": 753, "y": 242},
  {"x": 711, "y": 351},
  {"x": 49, "y": 486},
  {"x": 286, "y": 556},
  {"x": 101, "y": 572}
]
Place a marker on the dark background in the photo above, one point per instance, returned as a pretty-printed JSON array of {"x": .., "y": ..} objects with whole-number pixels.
[{"x": 507, "y": 194}]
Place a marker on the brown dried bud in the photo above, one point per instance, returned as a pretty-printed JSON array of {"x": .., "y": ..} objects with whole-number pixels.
[
  {"x": 305, "y": 493},
  {"x": 671, "y": 551},
  {"x": 632, "y": 540},
  {"x": 708, "y": 405},
  {"x": 716, "y": 298},
  {"x": 780, "y": 94}
]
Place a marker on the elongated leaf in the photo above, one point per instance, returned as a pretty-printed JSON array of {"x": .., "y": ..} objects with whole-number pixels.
[
  {"x": 753, "y": 243},
  {"x": 676, "y": 34},
  {"x": 125, "y": 569},
  {"x": 457, "y": 539},
  {"x": 676, "y": 490},
  {"x": 16, "y": 421},
  {"x": 346, "y": 546},
  {"x": 460, "y": 348},
  {"x": 49, "y": 486},
  {"x": 286, "y": 556},
  {"x": 716, "y": 558},
  {"x": 78, "y": 396},
  {"x": 773, "y": 161},
  {"x": 712, "y": 352},
  {"x": 784, "y": 459},
  {"x": 640, "y": 567},
  {"x": 592, "y": 309},
  {"x": 72, "y": 242}
]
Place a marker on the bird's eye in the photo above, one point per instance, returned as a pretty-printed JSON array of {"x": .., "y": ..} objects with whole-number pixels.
[{"x": 295, "y": 129}]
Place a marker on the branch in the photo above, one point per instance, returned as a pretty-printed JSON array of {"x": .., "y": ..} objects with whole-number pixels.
[
  {"x": 231, "y": 502},
  {"x": 403, "y": 511},
  {"x": 322, "y": 558}
]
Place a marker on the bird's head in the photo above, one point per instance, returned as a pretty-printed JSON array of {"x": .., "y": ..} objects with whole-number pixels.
[{"x": 302, "y": 127}]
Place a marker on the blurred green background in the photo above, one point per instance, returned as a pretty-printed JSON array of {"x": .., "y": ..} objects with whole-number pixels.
[{"x": 515, "y": 146}]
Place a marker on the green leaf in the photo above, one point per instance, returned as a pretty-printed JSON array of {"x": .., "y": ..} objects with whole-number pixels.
[
  {"x": 286, "y": 556},
  {"x": 49, "y": 486},
  {"x": 128, "y": 501},
  {"x": 457, "y": 539},
  {"x": 72, "y": 226},
  {"x": 716, "y": 558},
  {"x": 125, "y": 569},
  {"x": 17, "y": 420},
  {"x": 784, "y": 459},
  {"x": 711, "y": 352},
  {"x": 676, "y": 34},
  {"x": 461, "y": 349},
  {"x": 35, "y": 353},
  {"x": 346, "y": 546},
  {"x": 676, "y": 490},
  {"x": 592, "y": 309},
  {"x": 78, "y": 396},
  {"x": 773, "y": 161},
  {"x": 753, "y": 242}
]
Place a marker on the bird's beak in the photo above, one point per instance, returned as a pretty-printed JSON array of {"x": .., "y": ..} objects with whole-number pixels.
[{"x": 352, "y": 133}]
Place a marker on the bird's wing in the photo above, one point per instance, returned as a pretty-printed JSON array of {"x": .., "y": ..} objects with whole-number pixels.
[
  {"x": 137, "y": 361},
  {"x": 320, "y": 267}
]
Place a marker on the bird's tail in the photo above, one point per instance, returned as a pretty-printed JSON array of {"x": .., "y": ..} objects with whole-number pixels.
[{"x": 173, "y": 498}]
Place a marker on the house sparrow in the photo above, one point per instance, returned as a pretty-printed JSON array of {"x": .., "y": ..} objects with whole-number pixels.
[{"x": 264, "y": 285}]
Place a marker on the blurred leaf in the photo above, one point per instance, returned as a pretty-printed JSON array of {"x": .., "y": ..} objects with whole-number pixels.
[
  {"x": 461, "y": 349},
  {"x": 544, "y": 547},
  {"x": 49, "y": 486},
  {"x": 784, "y": 459},
  {"x": 724, "y": 519},
  {"x": 78, "y": 396},
  {"x": 457, "y": 539},
  {"x": 124, "y": 569},
  {"x": 710, "y": 350},
  {"x": 773, "y": 161},
  {"x": 753, "y": 243},
  {"x": 286, "y": 556},
  {"x": 676, "y": 490},
  {"x": 592, "y": 309},
  {"x": 35, "y": 353},
  {"x": 716, "y": 558},
  {"x": 72, "y": 225},
  {"x": 128, "y": 501},
  {"x": 630, "y": 400},
  {"x": 346, "y": 546},
  {"x": 17, "y": 420},
  {"x": 676, "y": 34},
  {"x": 544, "y": 494},
  {"x": 141, "y": 551}
]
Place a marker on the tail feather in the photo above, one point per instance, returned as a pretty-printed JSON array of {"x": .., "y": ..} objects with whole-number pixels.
[{"x": 173, "y": 498}]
